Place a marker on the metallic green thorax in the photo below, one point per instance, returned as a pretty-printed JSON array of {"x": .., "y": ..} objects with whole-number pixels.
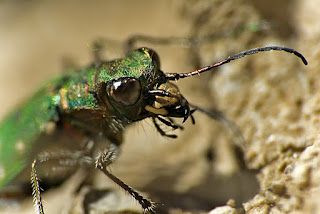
[{"x": 77, "y": 100}]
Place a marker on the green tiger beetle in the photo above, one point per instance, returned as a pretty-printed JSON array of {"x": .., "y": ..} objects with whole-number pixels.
[{"x": 80, "y": 117}]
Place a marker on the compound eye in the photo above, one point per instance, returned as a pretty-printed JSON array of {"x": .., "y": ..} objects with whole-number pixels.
[{"x": 124, "y": 91}]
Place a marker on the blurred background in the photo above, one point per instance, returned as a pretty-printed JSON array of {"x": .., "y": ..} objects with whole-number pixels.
[{"x": 272, "y": 97}]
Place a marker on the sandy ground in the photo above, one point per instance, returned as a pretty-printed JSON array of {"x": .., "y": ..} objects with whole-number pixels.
[{"x": 272, "y": 97}]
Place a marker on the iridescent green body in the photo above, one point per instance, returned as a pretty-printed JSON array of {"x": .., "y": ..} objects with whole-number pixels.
[
  {"x": 69, "y": 103},
  {"x": 80, "y": 118},
  {"x": 20, "y": 129}
]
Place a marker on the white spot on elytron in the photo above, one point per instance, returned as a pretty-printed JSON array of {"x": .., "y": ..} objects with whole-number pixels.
[
  {"x": 2, "y": 172},
  {"x": 20, "y": 146},
  {"x": 50, "y": 127}
]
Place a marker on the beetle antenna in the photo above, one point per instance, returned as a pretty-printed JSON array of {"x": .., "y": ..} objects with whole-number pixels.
[
  {"x": 217, "y": 115},
  {"x": 176, "y": 76}
]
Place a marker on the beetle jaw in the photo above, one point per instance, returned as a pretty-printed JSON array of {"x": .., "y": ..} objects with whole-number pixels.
[{"x": 167, "y": 102}]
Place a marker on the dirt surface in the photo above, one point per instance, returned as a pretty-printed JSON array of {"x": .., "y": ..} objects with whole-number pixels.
[{"x": 272, "y": 97}]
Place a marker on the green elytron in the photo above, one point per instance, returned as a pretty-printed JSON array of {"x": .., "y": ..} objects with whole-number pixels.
[{"x": 80, "y": 117}]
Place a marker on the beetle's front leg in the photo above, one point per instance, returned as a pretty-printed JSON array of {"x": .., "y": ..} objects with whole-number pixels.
[{"x": 107, "y": 157}]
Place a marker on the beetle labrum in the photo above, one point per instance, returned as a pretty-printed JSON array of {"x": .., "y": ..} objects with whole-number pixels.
[{"x": 94, "y": 105}]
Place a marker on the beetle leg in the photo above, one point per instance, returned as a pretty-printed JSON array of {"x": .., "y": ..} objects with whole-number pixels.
[
  {"x": 108, "y": 157},
  {"x": 68, "y": 159},
  {"x": 36, "y": 189},
  {"x": 194, "y": 40},
  {"x": 96, "y": 48},
  {"x": 133, "y": 40}
]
